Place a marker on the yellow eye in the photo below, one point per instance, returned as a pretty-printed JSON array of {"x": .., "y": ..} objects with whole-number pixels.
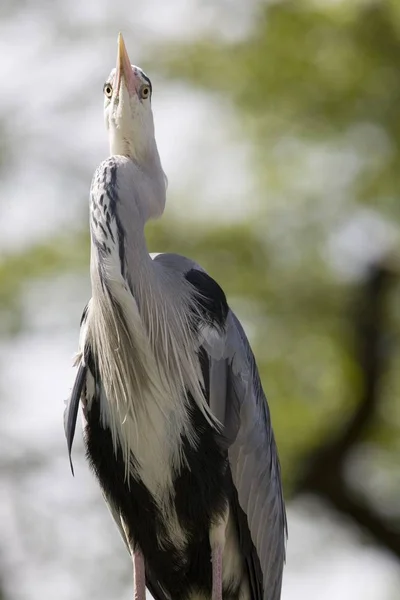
[
  {"x": 107, "y": 89},
  {"x": 144, "y": 92}
]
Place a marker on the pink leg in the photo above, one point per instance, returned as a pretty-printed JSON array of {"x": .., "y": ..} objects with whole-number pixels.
[
  {"x": 139, "y": 575},
  {"x": 216, "y": 559}
]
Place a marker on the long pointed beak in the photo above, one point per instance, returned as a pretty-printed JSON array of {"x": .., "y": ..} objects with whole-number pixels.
[{"x": 124, "y": 69}]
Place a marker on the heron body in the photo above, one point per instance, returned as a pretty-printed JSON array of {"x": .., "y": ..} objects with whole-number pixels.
[{"x": 176, "y": 425}]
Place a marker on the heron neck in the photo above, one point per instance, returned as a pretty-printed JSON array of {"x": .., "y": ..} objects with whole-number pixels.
[
  {"x": 150, "y": 185},
  {"x": 124, "y": 196}
]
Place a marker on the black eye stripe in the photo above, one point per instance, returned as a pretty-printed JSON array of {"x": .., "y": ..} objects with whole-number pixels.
[{"x": 147, "y": 80}]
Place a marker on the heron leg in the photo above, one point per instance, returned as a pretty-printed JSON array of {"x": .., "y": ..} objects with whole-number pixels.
[
  {"x": 217, "y": 542},
  {"x": 139, "y": 572},
  {"x": 139, "y": 576},
  {"x": 216, "y": 559}
]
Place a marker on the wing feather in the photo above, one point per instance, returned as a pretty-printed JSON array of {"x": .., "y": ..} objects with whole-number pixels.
[
  {"x": 71, "y": 409},
  {"x": 253, "y": 457}
]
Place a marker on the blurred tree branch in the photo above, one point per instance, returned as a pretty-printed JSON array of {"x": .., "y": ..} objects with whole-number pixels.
[{"x": 323, "y": 470}]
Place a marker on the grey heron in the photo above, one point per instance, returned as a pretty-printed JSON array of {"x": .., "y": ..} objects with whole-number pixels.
[{"x": 176, "y": 424}]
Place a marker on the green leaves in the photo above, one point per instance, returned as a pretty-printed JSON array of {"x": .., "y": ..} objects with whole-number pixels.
[{"x": 315, "y": 73}]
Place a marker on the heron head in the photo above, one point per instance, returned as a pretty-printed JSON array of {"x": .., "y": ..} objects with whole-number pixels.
[{"x": 127, "y": 108}]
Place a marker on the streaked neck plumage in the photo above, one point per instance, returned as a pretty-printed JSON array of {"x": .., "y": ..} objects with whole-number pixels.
[{"x": 124, "y": 196}]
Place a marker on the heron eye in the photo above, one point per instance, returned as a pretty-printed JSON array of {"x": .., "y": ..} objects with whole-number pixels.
[
  {"x": 144, "y": 92},
  {"x": 107, "y": 89}
]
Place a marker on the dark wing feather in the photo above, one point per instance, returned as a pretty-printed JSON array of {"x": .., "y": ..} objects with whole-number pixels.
[
  {"x": 72, "y": 404},
  {"x": 247, "y": 547},
  {"x": 71, "y": 409}
]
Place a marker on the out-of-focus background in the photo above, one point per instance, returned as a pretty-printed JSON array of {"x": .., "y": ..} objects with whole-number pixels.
[{"x": 278, "y": 124}]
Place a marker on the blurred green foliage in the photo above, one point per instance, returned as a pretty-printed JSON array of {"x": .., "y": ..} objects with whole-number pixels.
[
  {"x": 313, "y": 77},
  {"x": 310, "y": 77},
  {"x": 315, "y": 70}
]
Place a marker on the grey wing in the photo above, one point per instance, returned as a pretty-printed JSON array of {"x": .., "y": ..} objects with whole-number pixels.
[{"x": 238, "y": 400}]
